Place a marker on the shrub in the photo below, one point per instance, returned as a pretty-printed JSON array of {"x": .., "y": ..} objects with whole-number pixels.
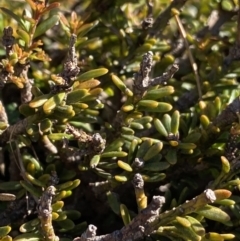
[{"x": 119, "y": 120}]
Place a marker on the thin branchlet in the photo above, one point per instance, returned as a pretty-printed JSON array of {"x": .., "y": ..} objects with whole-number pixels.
[
  {"x": 95, "y": 142},
  {"x": 162, "y": 80},
  {"x": 70, "y": 68},
  {"x": 147, "y": 23},
  {"x": 190, "y": 55},
  {"x": 14, "y": 130},
  {"x": 138, "y": 185},
  {"x": 137, "y": 229},
  {"x": 45, "y": 214},
  {"x": 234, "y": 53},
  {"x": 150, "y": 8},
  {"x": 54, "y": 179},
  {"x": 214, "y": 23},
  {"x": 90, "y": 145},
  {"x": 229, "y": 115},
  {"x": 138, "y": 182},
  {"x": 150, "y": 218},
  {"x": 163, "y": 18},
  {"x": 90, "y": 232},
  {"x": 100, "y": 188},
  {"x": 142, "y": 79},
  {"x": 138, "y": 163},
  {"x": 231, "y": 148},
  {"x": 26, "y": 91},
  {"x": 8, "y": 40},
  {"x": 18, "y": 71},
  {"x": 3, "y": 114}
]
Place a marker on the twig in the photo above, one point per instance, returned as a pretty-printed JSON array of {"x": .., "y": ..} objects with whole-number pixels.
[
  {"x": 19, "y": 162},
  {"x": 3, "y": 114},
  {"x": 54, "y": 179},
  {"x": 147, "y": 23},
  {"x": 89, "y": 233},
  {"x": 19, "y": 72},
  {"x": 18, "y": 128},
  {"x": 234, "y": 53},
  {"x": 8, "y": 40},
  {"x": 141, "y": 198},
  {"x": 150, "y": 7},
  {"x": 228, "y": 115},
  {"x": 136, "y": 230},
  {"x": 162, "y": 20},
  {"x": 142, "y": 81},
  {"x": 95, "y": 143},
  {"x": 230, "y": 159},
  {"x": 238, "y": 25},
  {"x": 208, "y": 196},
  {"x": 14, "y": 130},
  {"x": 186, "y": 100},
  {"x": 215, "y": 21},
  {"x": 149, "y": 219},
  {"x": 178, "y": 47},
  {"x": 91, "y": 145},
  {"x": 100, "y": 188},
  {"x": 162, "y": 80},
  {"x": 26, "y": 91},
  {"x": 231, "y": 149},
  {"x": 138, "y": 163},
  {"x": 70, "y": 68},
  {"x": 45, "y": 214},
  {"x": 193, "y": 63}
]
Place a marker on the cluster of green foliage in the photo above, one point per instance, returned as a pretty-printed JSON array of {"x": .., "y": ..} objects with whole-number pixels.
[{"x": 94, "y": 92}]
